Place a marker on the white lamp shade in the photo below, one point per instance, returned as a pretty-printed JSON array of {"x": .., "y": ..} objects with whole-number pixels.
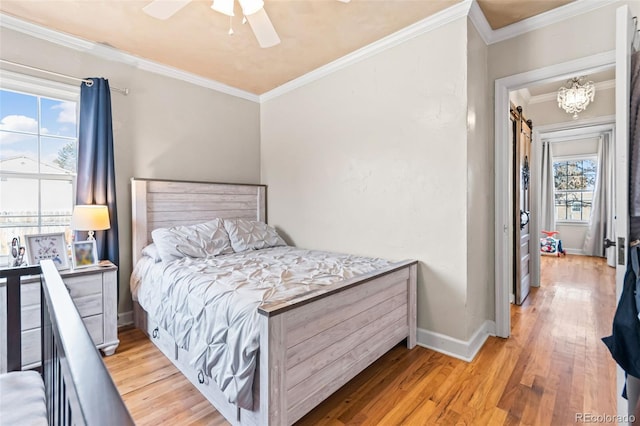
[
  {"x": 90, "y": 218},
  {"x": 223, "y": 6}
]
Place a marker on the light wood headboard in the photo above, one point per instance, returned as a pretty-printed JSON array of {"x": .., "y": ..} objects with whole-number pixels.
[{"x": 165, "y": 203}]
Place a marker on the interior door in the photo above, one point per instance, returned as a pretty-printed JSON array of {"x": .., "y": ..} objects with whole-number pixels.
[
  {"x": 522, "y": 206},
  {"x": 624, "y": 37}
]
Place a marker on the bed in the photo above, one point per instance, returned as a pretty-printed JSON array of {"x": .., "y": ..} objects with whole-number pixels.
[{"x": 310, "y": 344}]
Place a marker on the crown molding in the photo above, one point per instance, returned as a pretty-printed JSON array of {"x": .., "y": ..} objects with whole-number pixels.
[
  {"x": 523, "y": 94},
  {"x": 430, "y": 23},
  {"x": 548, "y": 97},
  {"x": 577, "y": 7},
  {"x": 480, "y": 22},
  {"x": 468, "y": 8},
  {"x": 113, "y": 54}
]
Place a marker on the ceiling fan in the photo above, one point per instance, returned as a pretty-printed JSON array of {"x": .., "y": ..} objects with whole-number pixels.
[{"x": 253, "y": 11}]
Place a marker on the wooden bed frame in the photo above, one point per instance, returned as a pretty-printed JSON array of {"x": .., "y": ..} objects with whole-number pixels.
[{"x": 309, "y": 346}]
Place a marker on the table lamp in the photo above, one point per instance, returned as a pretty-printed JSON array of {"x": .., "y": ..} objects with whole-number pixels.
[{"x": 90, "y": 218}]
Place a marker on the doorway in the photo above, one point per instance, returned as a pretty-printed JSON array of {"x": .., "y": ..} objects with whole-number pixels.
[{"x": 504, "y": 223}]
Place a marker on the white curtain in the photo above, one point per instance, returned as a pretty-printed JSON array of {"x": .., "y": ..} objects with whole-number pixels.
[
  {"x": 601, "y": 224},
  {"x": 547, "y": 215}
]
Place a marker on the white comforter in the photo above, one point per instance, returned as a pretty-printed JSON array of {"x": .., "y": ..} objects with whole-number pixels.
[{"x": 209, "y": 305}]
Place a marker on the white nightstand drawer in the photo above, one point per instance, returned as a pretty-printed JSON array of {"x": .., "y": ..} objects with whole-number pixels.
[
  {"x": 95, "y": 326},
  {"x": 83, "y": 285},
  {"x": 89, "y": 305},
  {"x": 31, "y": 339},
  {"x": 83, "y": 292}
]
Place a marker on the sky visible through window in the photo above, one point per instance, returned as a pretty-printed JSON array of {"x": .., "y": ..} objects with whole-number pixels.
[{"x": 20, "y": 125}]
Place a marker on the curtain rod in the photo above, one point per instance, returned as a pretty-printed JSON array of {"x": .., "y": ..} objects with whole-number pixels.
[{"x": 88, "y": 82}]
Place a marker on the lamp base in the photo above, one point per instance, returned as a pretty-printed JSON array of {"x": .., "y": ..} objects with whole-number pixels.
[{"x": 90, "y": 236}]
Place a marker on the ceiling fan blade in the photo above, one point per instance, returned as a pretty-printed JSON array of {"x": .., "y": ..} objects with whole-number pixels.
[
  {"x": 164, "y": 9},
  {"x": 263, "y": 29}
]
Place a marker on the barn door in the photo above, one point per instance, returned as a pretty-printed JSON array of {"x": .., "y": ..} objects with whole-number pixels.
[{"x": 522, "y": 205}]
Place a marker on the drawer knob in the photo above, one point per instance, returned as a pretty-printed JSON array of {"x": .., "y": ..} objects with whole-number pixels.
[
  {"x": 200, "y": 377},
  {"x": 155, "y": 333}
]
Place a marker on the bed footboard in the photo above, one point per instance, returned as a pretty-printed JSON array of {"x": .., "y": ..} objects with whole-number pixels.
[{"x": 314, "y": 345}]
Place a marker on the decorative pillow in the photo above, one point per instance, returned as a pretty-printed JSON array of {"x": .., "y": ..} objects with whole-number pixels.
[
  {"x": 200, "y": 240},
  {"x": 250, "y": 235},
  {"x": 152, "y": 251}
]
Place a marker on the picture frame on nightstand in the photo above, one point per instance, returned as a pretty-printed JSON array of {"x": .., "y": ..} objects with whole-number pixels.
[
  {"x": 47, "y": 246},
  {"x": 84, "y": 254}
]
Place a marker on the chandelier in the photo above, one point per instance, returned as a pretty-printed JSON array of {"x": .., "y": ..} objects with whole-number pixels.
[{"x": 577, "y": 96}]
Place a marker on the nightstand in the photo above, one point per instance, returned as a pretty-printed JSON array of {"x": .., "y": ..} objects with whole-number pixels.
[{"x": 94, "y": 292}]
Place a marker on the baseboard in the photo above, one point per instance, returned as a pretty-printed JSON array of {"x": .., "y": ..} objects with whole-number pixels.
[
  {"x": 461, "y": 349},
  {"x": 574, "y": 251},
  {"x": 125, "y": 318}
]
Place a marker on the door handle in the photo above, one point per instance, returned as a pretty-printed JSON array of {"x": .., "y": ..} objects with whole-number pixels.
[
  {"x": 524, "y": 222},
  {"x": 608, "y": 243}
]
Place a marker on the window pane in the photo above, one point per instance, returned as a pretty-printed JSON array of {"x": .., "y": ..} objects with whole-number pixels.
[
  {"x": 589, "y": 166},
  {"x": 575, "y": 182},
  {"x": 57, "y": 201},
  {"x": 590, "y": 181},
  {"x": 560, "y": 203},
  {"x": 573, "y": 168},
  {"x": 18, "y": 112},
  {"x": 58, "y": 117},
  {"x": 58, "y": 155},
  {"x": 574, "y": 204},
  {"x": 18, "y": 153},
  {"x": 587, "y": 202},
  {"x": 18, "y": 197},
  {"x": 560, "y": 174}
]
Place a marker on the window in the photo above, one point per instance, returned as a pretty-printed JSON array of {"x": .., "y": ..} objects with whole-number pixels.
[
  {"x": 38, "y": 150},
  {"x": 575, "y": 181}
]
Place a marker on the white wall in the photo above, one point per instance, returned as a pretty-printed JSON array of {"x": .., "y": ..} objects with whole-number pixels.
[
  {"x": 480, "y": 200},
  {"x": 165, "y": 128},
  {"x": 574, "y": 38},
  {"x": 372, "y": 160}
]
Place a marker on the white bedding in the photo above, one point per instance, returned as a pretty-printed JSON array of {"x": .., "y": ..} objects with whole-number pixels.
[{"x": 209, "y": 305}]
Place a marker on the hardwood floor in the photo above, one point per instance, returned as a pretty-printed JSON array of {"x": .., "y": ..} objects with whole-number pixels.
[{"x": 552, "y": 367}]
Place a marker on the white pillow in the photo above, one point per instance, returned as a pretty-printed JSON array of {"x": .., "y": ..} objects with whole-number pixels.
[
  {"x": 199, "y": 240},
  {"x": 152, "y": 251},
  {"x": 251, "y": 235}
]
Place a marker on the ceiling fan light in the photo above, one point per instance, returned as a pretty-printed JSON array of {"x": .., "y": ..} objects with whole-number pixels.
[
  {"x": 223, "y": 6},
  {"x": 249, "y": 7}
]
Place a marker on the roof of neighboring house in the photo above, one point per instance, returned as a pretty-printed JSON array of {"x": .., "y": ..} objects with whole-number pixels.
[{"x": 24, "y": 164}]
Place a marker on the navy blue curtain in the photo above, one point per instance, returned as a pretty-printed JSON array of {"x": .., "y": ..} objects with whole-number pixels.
[{"x": 96, "y": 181}]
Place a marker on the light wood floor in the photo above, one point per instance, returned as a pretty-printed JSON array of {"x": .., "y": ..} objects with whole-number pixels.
[{"x": 552, "y": 367}]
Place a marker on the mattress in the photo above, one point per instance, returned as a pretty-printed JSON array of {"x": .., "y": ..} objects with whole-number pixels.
[{"x": 209, "y": 305}]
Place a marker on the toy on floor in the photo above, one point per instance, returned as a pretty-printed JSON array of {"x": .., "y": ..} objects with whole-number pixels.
[{"x": 551, "y": 245}]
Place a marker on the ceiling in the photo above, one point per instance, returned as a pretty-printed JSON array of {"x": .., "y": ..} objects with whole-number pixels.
[{"x": 313, "y": 32}]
